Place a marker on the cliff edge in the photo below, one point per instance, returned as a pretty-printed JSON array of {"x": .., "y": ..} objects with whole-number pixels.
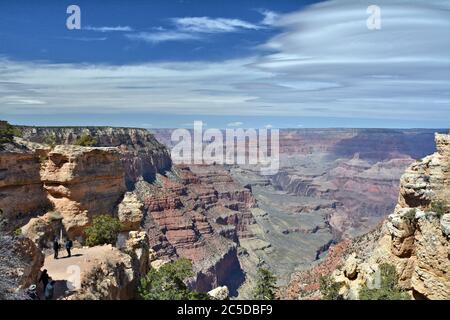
[{"x": 414, "y": 239}]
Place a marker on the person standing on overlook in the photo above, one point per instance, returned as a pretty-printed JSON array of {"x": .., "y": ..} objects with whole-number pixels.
[
  {"x": 56, "y": 247},
  {"x": 44, "y": 278},
  {"x": 68, "y": 246}
]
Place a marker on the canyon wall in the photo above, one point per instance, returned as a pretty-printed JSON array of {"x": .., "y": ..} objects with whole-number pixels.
[
  {"x": 19, "y": 177},
  {"x": 200, "y": 213},
  {"x": 141, "y": 154},
  {"x": 415, "y": 238},
  {"x": 194, "y": 212},
  {"x": 333, "y": 184}
]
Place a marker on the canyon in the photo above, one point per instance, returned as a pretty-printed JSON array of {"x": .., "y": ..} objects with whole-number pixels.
[
  {"x": 333, "y": 185},
  {"x": 414, "y": 239}
]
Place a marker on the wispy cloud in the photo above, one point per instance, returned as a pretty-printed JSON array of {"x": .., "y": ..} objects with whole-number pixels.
[
  {"x": 157, "y": 37},
  {"x": 270, "y": 17},
  {"x": 195, "y": 28},
  {"x": 213, "y": 25},
  {"x": 17, "y": 100},
  {"x": 85, "y": 39},
  {"x": 109, "y": 29},
  {"x": 235, "y": 124}
]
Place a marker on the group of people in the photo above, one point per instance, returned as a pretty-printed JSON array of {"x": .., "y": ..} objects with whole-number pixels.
[
  {"x": 48, "y": 286},
  {"x": 47, "y": 283},
  {"x": 57, "y": 246}
]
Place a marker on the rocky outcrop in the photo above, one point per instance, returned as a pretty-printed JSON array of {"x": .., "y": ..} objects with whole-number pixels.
[
  {"x": 415, "y": 237},
  {"x": 305, "y": 285},
  {"x": 142, "y": 156},
  {"x": 130, "y": 212},
  {"x": 43, "y": 229},
  {"x": 19, "y": 176},
  {"x": 20, "y": 262},
  {"x": 200, "y": 213},
  {"x": 73, "y": 181},
  {"x": 82, "y": 182},
  {"x": 219, "y": 293},
  {"x": 115, "y": 272}
]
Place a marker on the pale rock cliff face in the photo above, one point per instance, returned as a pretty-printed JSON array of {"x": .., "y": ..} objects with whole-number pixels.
[
  {"x": 413, "y": 239},
  {"x": 82, "y": 182},
  {"x": 20, "y": 262},
  {"x": 200, "y": 213},
  {"x": 19, "y": 176},
  {"x": 130, "y": 212},
  {"x": 116, "y": 272},
  {"x": 75, "y": 182},
  {"x": 140, "y": 153},
  {"x": 219, "y": 293},
  {"x": 49, "y": 189}
]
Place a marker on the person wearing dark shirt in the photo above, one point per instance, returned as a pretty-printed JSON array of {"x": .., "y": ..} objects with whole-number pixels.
[
  {"x": 56, "y": 247},
  {"x": 69, "y": 246},
  {"x": 44, "y": 278}
]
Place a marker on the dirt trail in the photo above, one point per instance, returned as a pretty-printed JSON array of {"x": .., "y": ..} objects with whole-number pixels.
[{"x": 64, "y": 270}]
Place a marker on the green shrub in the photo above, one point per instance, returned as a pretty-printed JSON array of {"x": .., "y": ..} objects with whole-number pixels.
[
  {"x": 50, "y": 140},
  {"x": 7, "y": 133},
  {"x": 265, "y": 285},
  {"x": 388, "y": 289},
  {"x": 167, "y": 283},
  {"x": 18, "y": 232},
  {"x": 410, "y": 215},
  {"x": 329, "y": 289},
  {"x": 86, "y": 141},
  {"x": 104, "y": 230},
  {"x": 439, "y": 207}
]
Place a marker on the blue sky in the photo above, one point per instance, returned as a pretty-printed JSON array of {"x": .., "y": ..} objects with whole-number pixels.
[{"x": 228, "y": 63}]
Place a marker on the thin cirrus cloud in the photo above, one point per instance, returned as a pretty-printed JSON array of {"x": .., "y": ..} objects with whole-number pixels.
[
  {"x": 195, "y": 28},
  {"x": 109, "y": 29},
  {"x": 235, "y": 124},
  {"x": 157, "y": 37},
  {"x": 210, "y": 25}
]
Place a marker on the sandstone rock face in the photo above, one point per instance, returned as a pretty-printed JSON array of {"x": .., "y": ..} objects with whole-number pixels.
[
  {"x": 445, "y": 224},
  {"x": 81, "y": 182},
  {"x": 219, "y": 293},
  {"x": 78, "y": 182},
  {"x": 200, "y": 213},
  {"x": 130, "y": 212},
  {"x": 305, "y": 285},
  {"x": 19, "y": 176},
  {"x": 115, "y": 273},
  {"x": 20, "y": 262},
  {"x": 413, "y": 239},
  {"x": 42, "y": 230},
  {"x": 140, "y": 153}
]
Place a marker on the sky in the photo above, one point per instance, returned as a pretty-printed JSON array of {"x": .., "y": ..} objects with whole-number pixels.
[{"x": 250, "y": 63}]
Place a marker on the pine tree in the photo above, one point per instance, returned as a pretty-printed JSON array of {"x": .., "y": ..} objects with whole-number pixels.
[{"x": 265, "y": 285}]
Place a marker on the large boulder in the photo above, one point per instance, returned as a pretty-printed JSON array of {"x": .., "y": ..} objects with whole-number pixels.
[
  {"x": 130, "y": 212},
  {"x": 20, "y": 262},
  {"x": 445, "y": 224},
  {"x": 219, "y": 293},
  {"x": 82, "y": 182}
]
